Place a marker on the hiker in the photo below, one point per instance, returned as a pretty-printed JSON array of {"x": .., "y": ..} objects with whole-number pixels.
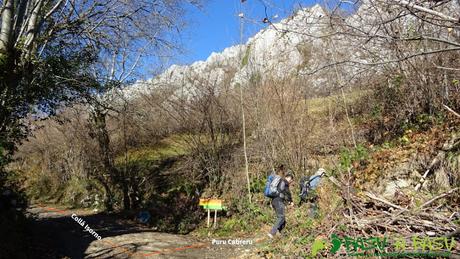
[
  {"x": 278, "y": 190},
  {"x": 308, "y": 187}
]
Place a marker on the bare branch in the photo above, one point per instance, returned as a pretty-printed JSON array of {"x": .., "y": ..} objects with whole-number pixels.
[
  {"x": 439, "y": 196},
  {"x": 55, "y": 7},
  {"x": 343, "y": 62},
  {"x": 413, "y": 5}
]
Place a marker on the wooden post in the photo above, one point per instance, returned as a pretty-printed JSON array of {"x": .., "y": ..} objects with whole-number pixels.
[
  {"x": 215, "y": 218},
  {"x": 209, "y": 216}
]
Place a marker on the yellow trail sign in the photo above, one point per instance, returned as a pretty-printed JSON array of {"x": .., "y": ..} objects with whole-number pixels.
[{"x": 212, "y": 204}]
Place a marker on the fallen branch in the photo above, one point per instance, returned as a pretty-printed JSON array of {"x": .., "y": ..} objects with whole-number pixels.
[
  {"x": 335, "y": 181},
  {"x": 374, "y": 197},
  {"x": 453, "y": 234},
  {"x": 452, "y": 111},
  {"x": 439, "y": 197},
  {"x": 432, "y": 165},
  {"x": 374, "y": 215},
  {"x": 422, "y": 180}
]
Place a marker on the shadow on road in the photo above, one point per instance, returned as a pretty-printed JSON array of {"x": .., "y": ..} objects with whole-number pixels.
[{"x": 58, "y": 235}]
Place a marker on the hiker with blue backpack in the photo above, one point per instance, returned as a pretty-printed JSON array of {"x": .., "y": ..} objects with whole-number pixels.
[{"x": 277, "y": 188}]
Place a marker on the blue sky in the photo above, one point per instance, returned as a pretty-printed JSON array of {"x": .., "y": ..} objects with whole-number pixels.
[{"x": 217, "y": 26}]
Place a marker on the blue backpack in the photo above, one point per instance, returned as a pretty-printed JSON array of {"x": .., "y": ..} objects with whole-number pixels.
[{"x": 271, "y": 187}]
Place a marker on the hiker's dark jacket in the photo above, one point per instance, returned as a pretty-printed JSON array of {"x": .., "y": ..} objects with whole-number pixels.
[{"x": 283, "y": 189}]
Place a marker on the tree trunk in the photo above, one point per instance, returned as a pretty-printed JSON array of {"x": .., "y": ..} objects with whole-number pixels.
[
  {"x": 7, "y": 26},
  {"x": 134, "y": 195},
  {"x": 108, "y": 199},
  {"x": 32, "y": 27},
  {"x": 114, "y": 176},
  {"x": 9, "y": 81},
  {"x": 125, "y": 190}
]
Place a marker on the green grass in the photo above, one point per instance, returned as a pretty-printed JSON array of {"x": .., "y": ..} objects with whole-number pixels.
[
  {"x": 319, "y": 105},
  {"x": 168, "y": 148}
]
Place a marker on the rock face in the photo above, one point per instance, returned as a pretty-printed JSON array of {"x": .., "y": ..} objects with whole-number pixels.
[
  {"x": 281, "y": 50},
  {"x": 421, "y": 171},
  {"x": 394, "y": 186},
  {"x": 296, "y": 47}
]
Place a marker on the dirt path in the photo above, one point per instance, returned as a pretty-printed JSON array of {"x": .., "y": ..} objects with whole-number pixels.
[{"x": 58, "y": 235}]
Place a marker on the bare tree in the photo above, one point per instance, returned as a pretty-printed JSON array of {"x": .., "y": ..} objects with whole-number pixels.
[{"x": 46, "y": 46}]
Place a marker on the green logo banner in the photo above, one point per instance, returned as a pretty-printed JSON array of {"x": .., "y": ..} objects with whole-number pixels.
[{"x": 384, "y": 246}]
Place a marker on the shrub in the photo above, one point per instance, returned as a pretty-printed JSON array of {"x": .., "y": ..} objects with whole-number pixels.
[{"x": 348, "y": 157}]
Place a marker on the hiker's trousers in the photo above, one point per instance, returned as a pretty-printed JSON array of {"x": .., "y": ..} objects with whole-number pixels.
[{"x": 278, "y": 206}]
